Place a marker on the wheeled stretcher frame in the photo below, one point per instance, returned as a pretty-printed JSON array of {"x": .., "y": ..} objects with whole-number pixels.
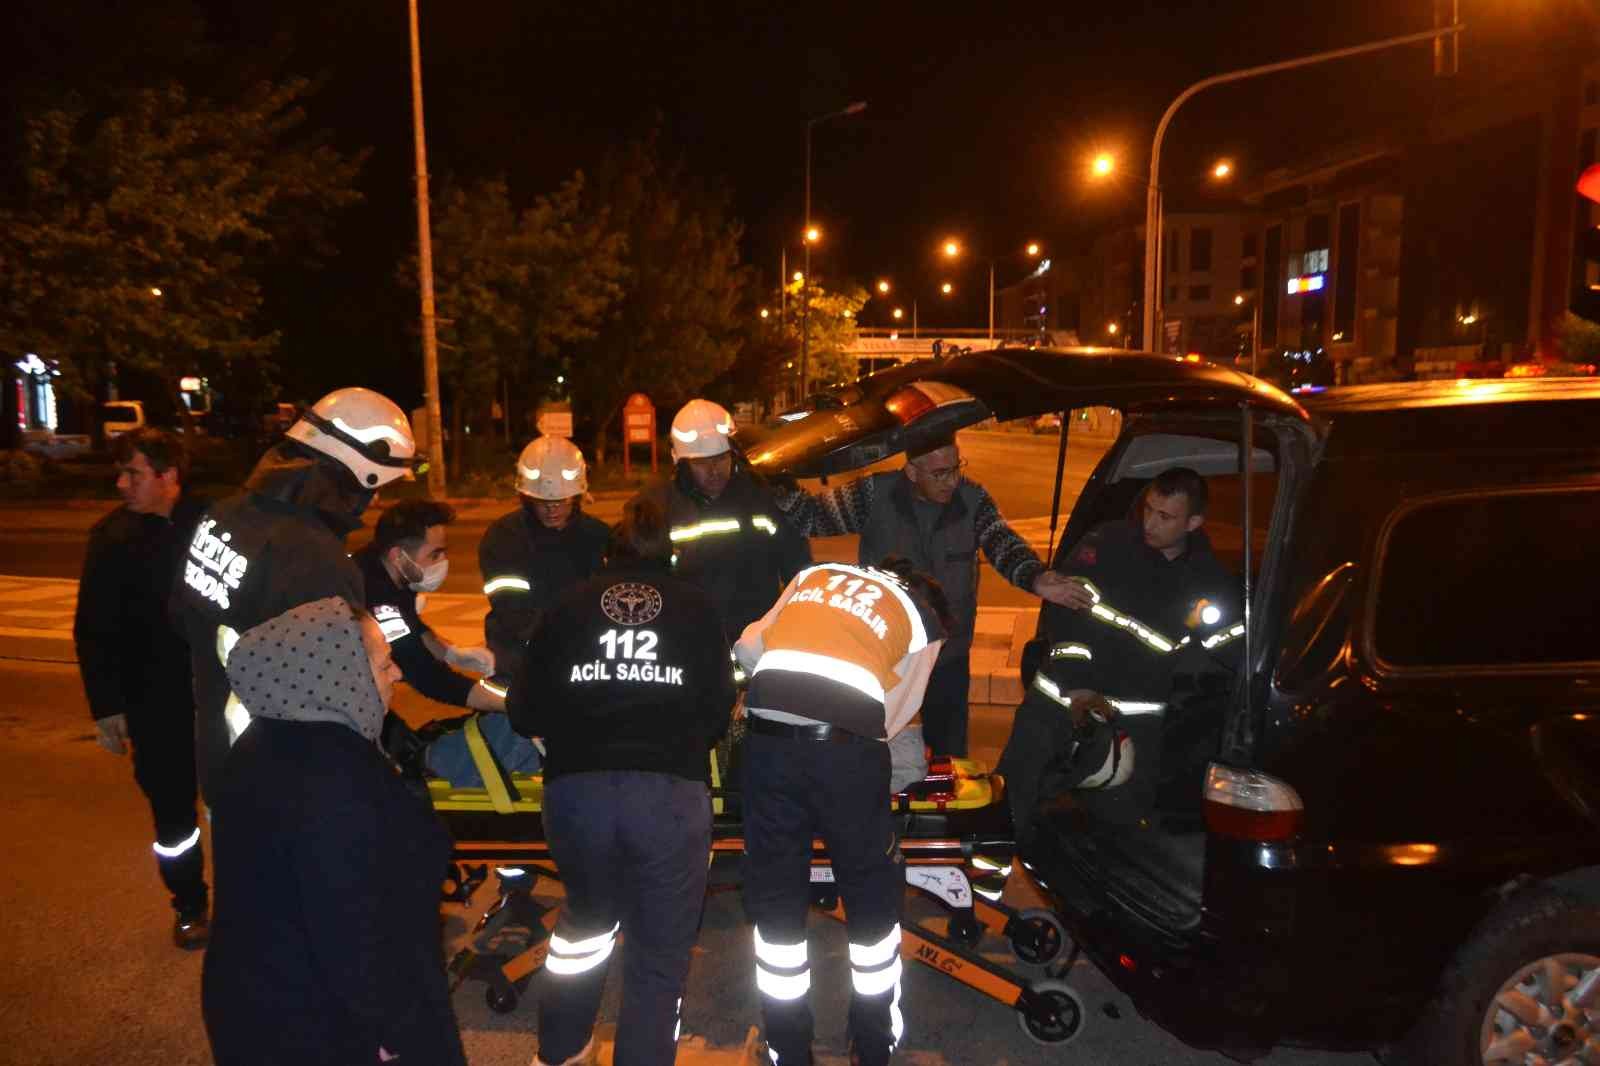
[{"x": 955, "y": 836}]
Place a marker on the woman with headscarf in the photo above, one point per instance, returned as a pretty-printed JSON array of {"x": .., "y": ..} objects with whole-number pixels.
[{"x": 325, "y": 946}]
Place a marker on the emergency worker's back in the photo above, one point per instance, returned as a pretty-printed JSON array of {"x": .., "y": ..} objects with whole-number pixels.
[
  {"x": 628, "y": 670},
  {"x": 251, "y": 558}
]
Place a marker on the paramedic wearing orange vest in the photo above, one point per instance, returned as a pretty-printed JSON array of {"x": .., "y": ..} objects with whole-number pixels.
[{"x": 837, "y": 666}]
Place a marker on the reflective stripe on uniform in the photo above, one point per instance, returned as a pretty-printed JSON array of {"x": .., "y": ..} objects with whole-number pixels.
[
  {"x": 875, "y": 968},
  {"x": 1111, "y": 616},
  {"x": 1071, "y": 651},
  {"x": 177, "y": 849},
  {"x": 1216, "y": 640},
  {"x": 804, "y": 662},
  {"x": 1051, "y": 690},
  {"x": 704, "y": 529},
  {"x": 501, "y": 584},
  {"x": 771, "y": 959},
  {"x": 765, "y": 524},
  {"x": 492, "y": 688},
  {"x": 569, "y": 958},
  {"x": 1137, "y": 707}
]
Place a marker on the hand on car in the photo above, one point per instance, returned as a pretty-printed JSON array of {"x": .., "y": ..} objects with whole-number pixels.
[
  {"x": 112, "y": 733},
  {"x": 478, "y": 660},
  {"x": 1060, "y": 589}
]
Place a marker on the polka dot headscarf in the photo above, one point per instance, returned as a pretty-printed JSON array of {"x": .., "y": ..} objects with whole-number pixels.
[{"x": 308, "y": 665}]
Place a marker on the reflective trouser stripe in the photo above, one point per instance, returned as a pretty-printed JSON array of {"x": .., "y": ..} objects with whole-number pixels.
[
  {"x": 677, "y": 1028},
  {"x": 172, "y": 852},
  {"x": 782, "y": 971},
  {"x": 572, "y": 957},
  {"x": 875, "y": 968}
]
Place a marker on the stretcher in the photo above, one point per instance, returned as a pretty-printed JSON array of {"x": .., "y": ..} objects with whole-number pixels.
[{"x": 955, "y": 835}]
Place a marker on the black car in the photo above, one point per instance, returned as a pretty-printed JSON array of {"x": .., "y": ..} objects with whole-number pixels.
[{"x": 1383, "y": 833}]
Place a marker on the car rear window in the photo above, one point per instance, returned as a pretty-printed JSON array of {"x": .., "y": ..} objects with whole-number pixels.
[{"x": 1496, "y": 580}]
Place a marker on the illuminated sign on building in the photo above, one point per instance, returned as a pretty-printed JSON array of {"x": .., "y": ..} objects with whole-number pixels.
[{"x": 1306, "y": 283}]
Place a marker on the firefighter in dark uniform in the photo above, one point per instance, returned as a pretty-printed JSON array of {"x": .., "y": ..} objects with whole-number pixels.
[
  {"x": 134, "y": 661},
  {"x": 628, "y": 682},
  {"x": 280, "y": 543},
  {"x": 837, "y": 667},
  {"x": 534, "y": 554},
  {"x": 409, "y": 555},
  {"x": 1149, "y": 602},
  {"x": 728, "y": 535}
]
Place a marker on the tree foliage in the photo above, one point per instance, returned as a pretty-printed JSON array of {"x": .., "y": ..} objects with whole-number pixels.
[
  {"x": 829, "y": 318},
  {"x": 139, "y": 235},
  {"x": 516, "y": 289},
  {"x": 679, "y": 324}
]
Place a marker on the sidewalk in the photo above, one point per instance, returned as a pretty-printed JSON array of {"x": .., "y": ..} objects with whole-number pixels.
[{"x": 36, "y": 624}]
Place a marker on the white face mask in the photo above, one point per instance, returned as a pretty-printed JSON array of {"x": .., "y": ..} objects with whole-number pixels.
[{"x": 428, "y": 578}]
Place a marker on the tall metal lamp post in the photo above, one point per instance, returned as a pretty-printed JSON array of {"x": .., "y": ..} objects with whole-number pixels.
[
  {"x": 810, "y": 239},
  {"x": 430, "y": 341}
]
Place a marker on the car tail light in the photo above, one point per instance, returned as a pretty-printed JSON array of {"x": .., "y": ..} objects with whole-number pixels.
[
  {"x": 916, "y": 400},
  {"x": 1247, "y": 805}
]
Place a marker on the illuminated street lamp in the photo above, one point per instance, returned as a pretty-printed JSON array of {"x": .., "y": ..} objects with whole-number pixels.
[
  {"x": 898, "y": 313},
  {"x": 799, "y": 277},
  {"x": 1033, "y": 248},
  {"x": 765, "y": 313},
  {"x": 1111, "y": 328},
  {"x": 813, "y": 235},
  {"x": 1222, "y": 170},
  {"x": 952, "y": 249},
  {"x": 947, "y": 288},
  {"x": 1102, "y": 165},
  {"x": 805, "y": 298},
  {"x": 155, "y": 291},
  {"x": 883, "y": 288}
]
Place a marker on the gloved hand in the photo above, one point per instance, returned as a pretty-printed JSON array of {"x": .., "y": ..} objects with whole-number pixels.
[
  {"x": 478, "y": 660},
  {"x": 112, "y": 733}
]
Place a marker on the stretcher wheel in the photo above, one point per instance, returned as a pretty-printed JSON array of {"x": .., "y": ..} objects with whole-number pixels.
[
  {"x": 1037, "y": 936},
  {"x": 1050, "y": 1012},
  {"x": 964, "y": 929},
  {"x": 504, "y": 1000}
]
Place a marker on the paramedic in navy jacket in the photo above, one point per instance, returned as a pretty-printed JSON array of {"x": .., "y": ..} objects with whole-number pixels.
[{"x": 630, "y": 683}]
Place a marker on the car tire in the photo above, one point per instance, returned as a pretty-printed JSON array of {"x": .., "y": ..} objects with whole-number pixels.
[{"x": 1536, "y": 927}]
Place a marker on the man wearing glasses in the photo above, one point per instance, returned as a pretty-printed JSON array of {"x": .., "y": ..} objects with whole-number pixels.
[{"x": 932, "y": 515}]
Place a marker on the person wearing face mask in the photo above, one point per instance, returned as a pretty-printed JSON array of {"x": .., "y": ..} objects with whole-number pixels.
[
  {"x": 534, "y": 554},
  {"x": 325, "y": 950},
  {"x": 408, "y": 555}
]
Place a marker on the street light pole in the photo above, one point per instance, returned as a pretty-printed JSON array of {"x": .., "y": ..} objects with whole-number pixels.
[
  {"x": 1152, "y": 211},
  {"x": 991, "y": 303},
  {"x": 805, "y": 286},
  {"x": 430, "y": 341}
]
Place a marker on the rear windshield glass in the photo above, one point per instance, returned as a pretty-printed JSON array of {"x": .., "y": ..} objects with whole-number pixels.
[{"x": 1490, "y": 581}]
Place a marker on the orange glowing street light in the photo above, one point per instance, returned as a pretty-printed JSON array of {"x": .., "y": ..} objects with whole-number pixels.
[
  {"x": 899, "y": 313},
  {"x": 947, "y": 288},
  {"x": 813, "y": 235},
  {"x": 952, "y": 248},
  {"x": 1102, "y": 165},
  {"x": 765, "y": 313},
  {"x": 1111, "y": 328},
  {"x": 1223, "y": 170},
  {"x": 883, "y": 287},
  {"x": 1033, "y": 248},
  {"x": 799, "y": 277}
]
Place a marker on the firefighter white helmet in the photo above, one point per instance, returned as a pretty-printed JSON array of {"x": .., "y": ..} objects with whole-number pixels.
[
  {"x": 361, "y": 430},
  {"x": 701, "y": 430},
  {"x": 552, "y": 468}
]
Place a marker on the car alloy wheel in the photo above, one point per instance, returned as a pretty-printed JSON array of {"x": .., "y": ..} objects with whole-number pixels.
[{"x": 1549, "y": 1008}]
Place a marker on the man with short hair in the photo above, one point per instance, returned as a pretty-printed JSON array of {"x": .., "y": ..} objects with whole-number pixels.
[
  {"x": 929, "y": 513},
  {"x": 135, "y": 662},
  {"x": 1146, "y": 599},
  {"x": 409, "y": 554}
]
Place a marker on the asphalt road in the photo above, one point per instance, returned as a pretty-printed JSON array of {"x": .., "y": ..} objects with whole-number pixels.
[{"x": 91, "y": 975}]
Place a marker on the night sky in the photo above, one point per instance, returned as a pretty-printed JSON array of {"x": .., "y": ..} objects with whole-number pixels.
[{"x": 980, "y": 117}]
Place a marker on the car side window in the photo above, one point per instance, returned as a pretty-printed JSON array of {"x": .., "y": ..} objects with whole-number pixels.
[{"x": 1496, "y": 580}]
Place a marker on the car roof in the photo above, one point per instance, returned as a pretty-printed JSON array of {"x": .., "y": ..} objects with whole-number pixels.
[
  {"x": 1403, "y": 395},
  {"x": 1467, "y": 415}
]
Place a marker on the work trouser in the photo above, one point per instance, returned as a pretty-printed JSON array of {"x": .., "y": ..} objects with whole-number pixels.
[
  {"x": 944, "y": 704},
  {"x": 632, "y": 849},
  {"x": 164, "y": 767},
  {"x": 1041, "y": 734},
  {"x": 795, "y": 790}
]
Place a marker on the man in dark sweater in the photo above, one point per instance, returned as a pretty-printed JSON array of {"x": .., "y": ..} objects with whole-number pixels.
[
  {"x": 135, "y": 663},
  {"x": 630, "y": 683}
]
